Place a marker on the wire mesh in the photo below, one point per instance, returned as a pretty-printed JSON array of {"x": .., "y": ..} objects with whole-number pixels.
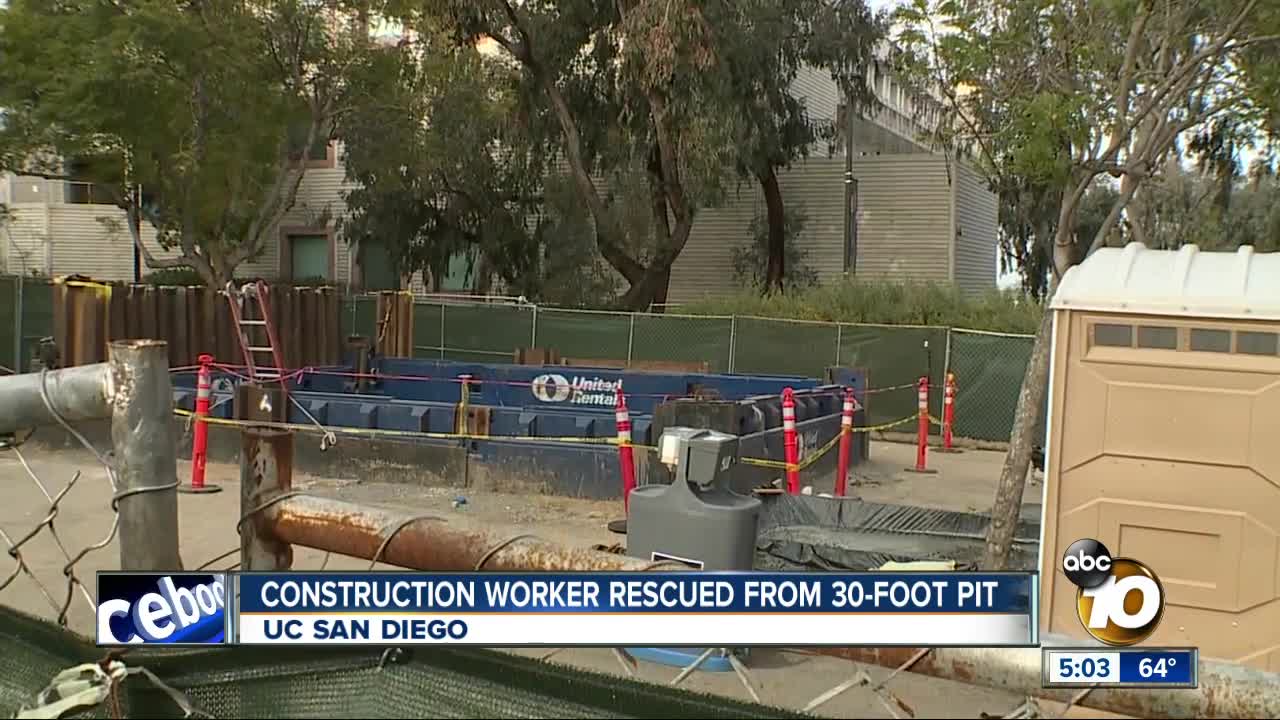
[
  {"x": 10, "y": 326},
  {"x": 470, "y": 333},
  {"x": 895, "y": 358},
  {"x": 43, "y": 559},
  {"x": 683, "y": 338},
  {"x": 578, "y": 334},
  {"x": 989, "y": 368},
  {"x": 784, "y": 347}
]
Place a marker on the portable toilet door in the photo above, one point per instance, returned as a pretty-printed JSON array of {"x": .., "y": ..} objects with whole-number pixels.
[{"x": 1164, "y": 441}]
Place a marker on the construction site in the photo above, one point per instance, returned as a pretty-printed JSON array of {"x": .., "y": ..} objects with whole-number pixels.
[{"x": 218, "y": 433}]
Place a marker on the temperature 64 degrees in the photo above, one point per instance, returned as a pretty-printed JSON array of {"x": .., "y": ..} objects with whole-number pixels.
[
  {"x": 1158, "y": 667},
  {"x": 976, "y": 593}
]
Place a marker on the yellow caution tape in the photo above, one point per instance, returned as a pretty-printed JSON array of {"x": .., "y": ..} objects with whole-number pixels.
[{"x": 379, "y": 432}]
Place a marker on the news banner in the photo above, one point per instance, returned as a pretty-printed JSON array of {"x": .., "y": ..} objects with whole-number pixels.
[{"x": 681, "y": 609}]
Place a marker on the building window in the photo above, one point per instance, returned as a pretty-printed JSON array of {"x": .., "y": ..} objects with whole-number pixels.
[
  {"x": 319, "y": 155},
  {"x": 306, "y": 256}
]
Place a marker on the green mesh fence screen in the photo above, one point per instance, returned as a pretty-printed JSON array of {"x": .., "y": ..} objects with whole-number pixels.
[
  {"x": 989, "y": 370},
  {"x": 575, "y": 334},
  {"x": 895, "y": 358},
  {"x": 10, "y": 356},
  {"x": 684, "y": 338},
  {"x": 264, "y": 682},
  {"x": 988, "y": 366},
  {"x": 783, "y": 347},
  {"x": 359, "y": 316},
  {"x": 37, "y": 316},
  {"x": 470, "y": 333}
]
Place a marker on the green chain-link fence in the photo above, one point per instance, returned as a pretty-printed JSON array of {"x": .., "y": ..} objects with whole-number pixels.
[
  {"x": 988, "y": 366},
  {"x": 26, "y": 316},
  {"x": 10, "y": 347}
]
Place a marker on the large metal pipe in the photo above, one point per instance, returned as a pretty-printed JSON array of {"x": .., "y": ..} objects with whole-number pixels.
[
  {"x": 1226, "y": 690},
  {"x": 146, "y": 461},
  {"x": 425, "y": 543},
  {"x": 78, "y": 393}
]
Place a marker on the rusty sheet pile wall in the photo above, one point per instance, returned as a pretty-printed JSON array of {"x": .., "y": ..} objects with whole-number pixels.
[{"x": 192, "y": 320}]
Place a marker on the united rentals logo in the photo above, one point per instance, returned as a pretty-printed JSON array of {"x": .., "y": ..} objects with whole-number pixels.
[
  {"x": 1120, "y": 600},
  {"x": 555, "y": 388}
]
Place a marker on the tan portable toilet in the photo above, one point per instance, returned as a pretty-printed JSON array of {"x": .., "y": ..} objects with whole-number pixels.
[{"x": 1164, "y": 440}]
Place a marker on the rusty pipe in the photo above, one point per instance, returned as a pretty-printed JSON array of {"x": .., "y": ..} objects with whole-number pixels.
[
  {"x": 1226, "y": 690},
  {"x": 424, "y": 544}
]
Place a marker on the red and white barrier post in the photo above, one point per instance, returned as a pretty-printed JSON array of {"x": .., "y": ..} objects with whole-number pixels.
[
  {"x": 626, "y": 457},
  {"x": 200, "y": 431},
  {"x": 948, "y": 413},
  {"x": 846, "y": 441},
  {"x": 922, "y": 433},
  {"x": 790, "y": 443}
]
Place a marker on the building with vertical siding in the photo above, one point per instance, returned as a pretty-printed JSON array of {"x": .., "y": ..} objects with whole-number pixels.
[{"x": 919, "y": 216}]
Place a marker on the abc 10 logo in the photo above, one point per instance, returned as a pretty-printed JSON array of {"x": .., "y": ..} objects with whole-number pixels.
[{"x": 1119, "y": 600}]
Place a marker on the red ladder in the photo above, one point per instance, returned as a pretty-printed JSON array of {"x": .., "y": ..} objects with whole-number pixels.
[{"x": 245, "y": 324}]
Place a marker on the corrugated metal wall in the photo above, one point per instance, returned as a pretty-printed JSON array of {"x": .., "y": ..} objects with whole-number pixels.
[
  {"x": 814, "y": 186},
  {"x": 904, "y": 223},
  {"x": 977, "y": 226},
  {"x": 82, "y": 243},
  {"x": 78, "y": 239}
]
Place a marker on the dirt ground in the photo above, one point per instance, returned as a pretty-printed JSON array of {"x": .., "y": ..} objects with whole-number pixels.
[{"x": 207, "y": 528}]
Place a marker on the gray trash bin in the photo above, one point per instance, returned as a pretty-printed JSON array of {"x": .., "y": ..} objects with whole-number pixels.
[{"x": 697, "y": 519}]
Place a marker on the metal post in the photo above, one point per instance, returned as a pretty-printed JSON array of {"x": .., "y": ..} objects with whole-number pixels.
[
  {"x": 839, "y": 340},
  {"x": 733, "y": 340},
  {"x": 631, "y": 339},
  {"x": 533, "y": 332},
  {"x": 18, "y": 363},
  {"x": 946, "y": 356},
  {"x": 266, "y": 473},
  {"x": 78, "y": 393},
  {"x": 442, "y": 306},
  {"x": 145, "y": 457}
]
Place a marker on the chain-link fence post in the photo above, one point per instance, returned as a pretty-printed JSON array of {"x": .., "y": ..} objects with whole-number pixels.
[
  {"x": 733, "y": 340},
  {"x": 145, "y": 457},
  {"x": 18, "y": 363},
  {"x": 533, "y": 330},
  {"x": 631, "y": 338}
]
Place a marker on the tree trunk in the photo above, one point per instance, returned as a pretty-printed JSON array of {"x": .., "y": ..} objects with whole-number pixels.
[
  {"x": 775, "y": 270},
  {"x": 1013, "y": 477},
  {"x": 662, "y": 283}
]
